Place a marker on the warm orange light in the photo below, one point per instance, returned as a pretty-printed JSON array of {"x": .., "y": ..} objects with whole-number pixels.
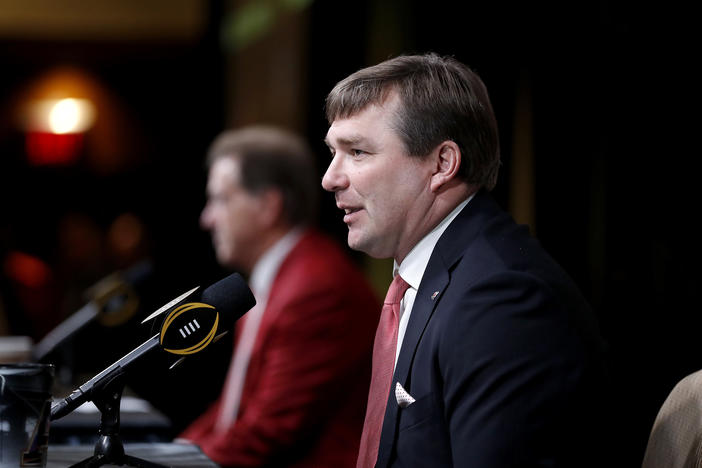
[
  {"x": 67, "y": 114},
  {"x": 60, "y": 116}
]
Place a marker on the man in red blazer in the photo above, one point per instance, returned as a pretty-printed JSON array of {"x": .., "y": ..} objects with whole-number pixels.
[{"x": 296, "y": 390}]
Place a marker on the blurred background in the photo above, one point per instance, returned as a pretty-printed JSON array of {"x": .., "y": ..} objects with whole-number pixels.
[{"x": 107, "y": 108}]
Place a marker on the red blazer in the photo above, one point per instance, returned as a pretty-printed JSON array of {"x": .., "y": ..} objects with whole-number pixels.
[{"x": 306, "y": 387}]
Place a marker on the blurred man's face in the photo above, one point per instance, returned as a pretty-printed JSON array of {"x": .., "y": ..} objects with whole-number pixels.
[{"x": 232, "y": 216}]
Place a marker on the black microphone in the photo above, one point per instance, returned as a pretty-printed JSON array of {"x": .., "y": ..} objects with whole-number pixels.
[
  {"x": 111, "y": 301},
  {"x": 187, "y": 329}
]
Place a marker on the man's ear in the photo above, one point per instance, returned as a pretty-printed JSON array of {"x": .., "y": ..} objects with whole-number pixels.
[
  {"x": 448, "y": 159},
  {"x": 271, "y": 206}
]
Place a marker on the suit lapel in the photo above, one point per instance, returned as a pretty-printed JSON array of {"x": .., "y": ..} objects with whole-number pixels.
[{"x": 428, "y": 296}]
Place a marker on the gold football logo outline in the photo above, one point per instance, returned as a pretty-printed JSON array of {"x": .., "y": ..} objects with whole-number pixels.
[{"x": 181, "y": 310}]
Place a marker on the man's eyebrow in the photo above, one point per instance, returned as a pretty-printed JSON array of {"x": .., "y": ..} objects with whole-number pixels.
[{"x": 349, "y": 141}]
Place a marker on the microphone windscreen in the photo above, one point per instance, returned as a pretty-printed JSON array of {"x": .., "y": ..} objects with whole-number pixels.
[{"x": 231, "y": 296}]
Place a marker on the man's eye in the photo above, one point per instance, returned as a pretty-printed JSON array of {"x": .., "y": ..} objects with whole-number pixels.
[{"x": 357, "y": 152}]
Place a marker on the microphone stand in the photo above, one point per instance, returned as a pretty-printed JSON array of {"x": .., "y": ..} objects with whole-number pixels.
[{"x": 109, "y": 449}]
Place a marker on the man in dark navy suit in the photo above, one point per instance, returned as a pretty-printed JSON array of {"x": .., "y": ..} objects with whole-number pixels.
[{"x": 495, "y": 359}]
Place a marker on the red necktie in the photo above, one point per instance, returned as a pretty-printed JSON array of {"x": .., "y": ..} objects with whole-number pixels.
[{"x": 383, "y": 365}]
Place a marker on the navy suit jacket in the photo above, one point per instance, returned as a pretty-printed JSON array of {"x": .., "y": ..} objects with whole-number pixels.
[{"x": 501, "y": 354}]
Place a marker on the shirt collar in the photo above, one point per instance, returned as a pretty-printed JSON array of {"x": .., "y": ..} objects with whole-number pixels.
[
  {"x": 267, "y": 266},
  {"x": 412, "y": 267}
]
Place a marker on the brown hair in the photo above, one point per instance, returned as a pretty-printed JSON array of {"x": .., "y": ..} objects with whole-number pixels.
[
  {"x": 271, "y": 157},
  {"x": 440, "y": 99}
]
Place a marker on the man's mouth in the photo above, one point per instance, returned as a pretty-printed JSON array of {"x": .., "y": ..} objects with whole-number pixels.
[{"x": 350, "y": 214}]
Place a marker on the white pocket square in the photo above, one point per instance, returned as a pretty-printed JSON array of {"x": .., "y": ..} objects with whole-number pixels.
[{"x": 404, "y": 399}]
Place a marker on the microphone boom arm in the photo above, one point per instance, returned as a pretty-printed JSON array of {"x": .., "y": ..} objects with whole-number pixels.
[{"x": 85, "y": 391}]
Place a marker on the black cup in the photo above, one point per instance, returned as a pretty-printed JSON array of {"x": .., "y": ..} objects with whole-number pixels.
[{"x": 25, "y": 408}]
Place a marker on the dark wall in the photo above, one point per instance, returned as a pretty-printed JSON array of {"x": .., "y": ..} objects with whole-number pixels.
[{"x": 171, "y": 93}]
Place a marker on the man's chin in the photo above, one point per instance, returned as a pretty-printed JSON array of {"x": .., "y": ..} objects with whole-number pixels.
[
  {"x": 225, "y": 259},
  {"x": 354, "y": 240},
  {"x": 364, "y": 245}
]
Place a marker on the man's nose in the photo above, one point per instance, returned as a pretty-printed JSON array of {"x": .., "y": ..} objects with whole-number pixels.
[
  {"x": 335, "y": 178},
  {"x": 206, "y": 217}
]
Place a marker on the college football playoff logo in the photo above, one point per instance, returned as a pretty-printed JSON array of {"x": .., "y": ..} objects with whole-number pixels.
[{"x": 189, "y": 328}]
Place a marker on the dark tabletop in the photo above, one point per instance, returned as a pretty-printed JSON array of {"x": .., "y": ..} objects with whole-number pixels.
[{"x": 168, "y": 454}]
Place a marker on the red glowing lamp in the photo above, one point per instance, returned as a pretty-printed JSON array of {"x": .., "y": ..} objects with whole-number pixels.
[{"x": 55, "y": 128}]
